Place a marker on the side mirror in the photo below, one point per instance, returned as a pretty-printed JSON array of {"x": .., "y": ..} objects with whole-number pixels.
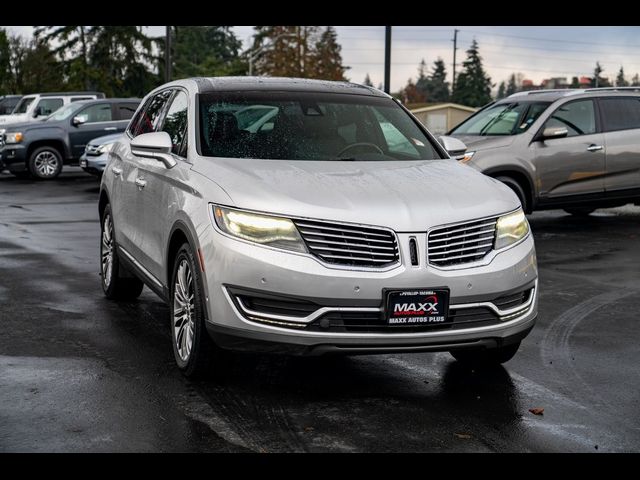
[
  {"x": 454, "y": 147},
  {"x": 37, "y": 112},
  {"x": 155, "y": 145},
  {"x": 554, "y": 132},
  {"x": 79, "y": 120}
]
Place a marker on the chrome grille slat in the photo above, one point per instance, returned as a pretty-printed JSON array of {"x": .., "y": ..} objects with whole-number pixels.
[
  {"x": 468, "y": 227},
  {"x": 461, "y": 243},
  {"x": 333, "y": 235},
  {"x": 349, "y": 246}
]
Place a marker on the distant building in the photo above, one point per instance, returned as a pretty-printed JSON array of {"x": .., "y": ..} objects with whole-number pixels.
[
  {"x": 585, "y": 82},
  {"x": 442, "y": 117},
  {"x": 555, "y": 83}
]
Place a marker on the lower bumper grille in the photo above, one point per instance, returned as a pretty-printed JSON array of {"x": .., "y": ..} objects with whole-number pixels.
[{"x": 311, "y": 316}]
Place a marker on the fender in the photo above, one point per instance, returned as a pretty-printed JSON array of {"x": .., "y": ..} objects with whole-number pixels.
[{"x": 495, "y": 171}]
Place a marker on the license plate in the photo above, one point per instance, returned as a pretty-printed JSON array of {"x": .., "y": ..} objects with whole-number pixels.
[
  {"x": 417, "y": 307},
  {"x": 83, "y": 163}
]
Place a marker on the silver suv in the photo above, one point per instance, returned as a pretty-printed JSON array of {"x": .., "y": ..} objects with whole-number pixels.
[
  {"x": 336, "y": 225},
  {"x": 573, "y": 149}
]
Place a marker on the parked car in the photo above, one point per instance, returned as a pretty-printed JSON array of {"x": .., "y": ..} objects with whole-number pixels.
[
  {"x": 573, "y": 149},
  {"x": 315, "y": 236},
  {"x": 8, "y": 103},
  {"x": 96, "y": 154},
  {"x": 38, "y": 106},
  {"x": 40, "y": 149}
]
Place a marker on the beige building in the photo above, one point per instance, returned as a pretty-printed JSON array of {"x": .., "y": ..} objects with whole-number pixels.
[{"x": 442, "y": 117}]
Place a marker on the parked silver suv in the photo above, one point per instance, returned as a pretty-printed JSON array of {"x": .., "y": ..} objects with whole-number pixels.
[
  {"x": 572, "y": 149},
  {"x": 336, "y": 225}
]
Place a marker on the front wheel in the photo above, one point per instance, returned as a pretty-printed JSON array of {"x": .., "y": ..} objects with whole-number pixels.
[
  {"x": 45, "y": 163},
  {"x": 488, "y": 356},
  {"x": 194, "y": 351}
]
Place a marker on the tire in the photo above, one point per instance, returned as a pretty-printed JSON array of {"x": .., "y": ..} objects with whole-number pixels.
[
  {"x": 579, "y": 211},
  {"x": 519, "y": 191},
  {"x": 117, "y": 283},
  {"x": 45, "y": 163},
  {"x": 487, "y": 357},
  {"x": 195, "y": 353}
]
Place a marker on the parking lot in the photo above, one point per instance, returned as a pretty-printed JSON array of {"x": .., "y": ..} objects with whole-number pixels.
[{"x": 81, "y": 373}]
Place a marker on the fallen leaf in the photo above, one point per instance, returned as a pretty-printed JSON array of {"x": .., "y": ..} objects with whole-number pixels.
[
  {"x": 465, "y": 436},
  {"x": 537, "y": 411},
  {"x": 308, "y": 429}
]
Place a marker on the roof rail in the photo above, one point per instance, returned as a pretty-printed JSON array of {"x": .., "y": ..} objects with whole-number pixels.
[
  {"x": 613, "y": 89},
  {"x": 556, "y": 90}
]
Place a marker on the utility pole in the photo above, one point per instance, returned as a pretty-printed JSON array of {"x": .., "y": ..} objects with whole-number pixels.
[
  {"x": 455, "y": 48},
  {"x": 387, "y": 59},
  {"x": 167, "y": 55}
]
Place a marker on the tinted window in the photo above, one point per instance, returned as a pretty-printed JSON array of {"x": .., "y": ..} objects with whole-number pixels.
[
  {"x": 148, "y": 120},
  {"x": 309, "y": 126},
  {"x": 126, "y": 110},
  {"x": 620, "y": 113},
  {"x": 502, "y": 119},
  {"x": 577, "y": 117},
  {"x": 23, "y": 106},
  {"x": 97, "y": 113},
  {"x": 175, "y": 123},
  {"x": 47, "y": 106}
]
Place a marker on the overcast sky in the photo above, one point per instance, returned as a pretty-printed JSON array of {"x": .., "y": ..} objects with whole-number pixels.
[{"x": 537, "y": 52}]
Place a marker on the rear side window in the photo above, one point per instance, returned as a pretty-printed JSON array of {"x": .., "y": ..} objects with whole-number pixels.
[
  {"x": 96, "y": 113},
  {"x": 126, "y": 110},
  {"x": 175, "y": 123},
  {"x": 148, "y": 119},
  {"x": 47, "y": 106},
  {"x": 577, "y": 117},
  {"x": 620, "y": 113}
]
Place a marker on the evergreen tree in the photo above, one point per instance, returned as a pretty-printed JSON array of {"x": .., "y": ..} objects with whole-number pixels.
[
  {"x": 620, "y": 80},
  {"x": 575, "y": 83},
  {"x": 598, "y": 80},
  {"x": 327, "y": 58},
  {"x": 367, "y": 81},
  {"x": 437, "y": 86},
  {"x": 511, "y": 85},
  {"x": 635, "y": 80},
  {"x": 422, "y": 83},
  {"x": 287, "y": 51},
  {"x": 5, "y": 63},
  {"x": 473, "y": 85},
  {"x": 501, "y": 91},
  {"x": 411, "y": 94}
]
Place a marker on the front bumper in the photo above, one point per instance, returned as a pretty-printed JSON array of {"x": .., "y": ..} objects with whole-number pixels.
[
  {"x": 231, "y": 262},
  {"x": 94, "y": 165},
  {"x": 13, "y": 157}
]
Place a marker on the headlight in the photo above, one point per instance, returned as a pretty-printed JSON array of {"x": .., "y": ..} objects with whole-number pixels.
[
  {"x": 104, "y": 148},
  {"x": 265, "y": 230},
  {"x": 13, "y": 137},
  {"x": 511, "y": 229},
  {"x": 466, "y": 157}
]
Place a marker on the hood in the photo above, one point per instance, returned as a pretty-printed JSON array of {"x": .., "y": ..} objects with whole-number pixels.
[
  {"x": 405, "y": 196},
  {"x": 24, "y": 126},
  {"x": 106, "y": 139},
  {"x": 13, "y": 119},
  {"x": 476, "y": 142}
]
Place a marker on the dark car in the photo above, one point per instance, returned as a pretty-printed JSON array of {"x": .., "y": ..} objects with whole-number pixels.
[
  {"x": 8, "y": 103},
  {"x": 41, "y": 148}
]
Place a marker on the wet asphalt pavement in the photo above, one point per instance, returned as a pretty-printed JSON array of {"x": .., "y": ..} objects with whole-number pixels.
[{"x": 79, "y": 373}]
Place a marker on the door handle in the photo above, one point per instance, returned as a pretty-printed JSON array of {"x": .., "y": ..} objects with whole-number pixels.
[
  {"x": 116, "y": 171},
  {"x": 594, "y": 148},
  {"x": 141, "y": 183},
  {"x": 110, "y": 129}
]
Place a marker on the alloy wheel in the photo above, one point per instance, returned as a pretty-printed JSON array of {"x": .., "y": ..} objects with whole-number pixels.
[
  {"x": 184, "y": 310},
  {"x": 106, "y": 251},
  {"x": 46, "y": 164}
]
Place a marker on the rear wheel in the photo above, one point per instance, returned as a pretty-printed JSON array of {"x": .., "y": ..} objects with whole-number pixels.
[
  {"x": 45, "y": 163},
  {"x": 195, "y": 353},
  {"x": 579, "y": 211},
  {"x": 518, "y": 190},
  {"x": 117, "y": 283},
  {"x": 487, "y": 356}
]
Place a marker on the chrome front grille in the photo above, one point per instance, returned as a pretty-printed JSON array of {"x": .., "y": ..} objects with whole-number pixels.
[
  {"x": 349, "y": 245},
  {"x": 92, "y": 150},
  {"x": 461, "y": 243}
]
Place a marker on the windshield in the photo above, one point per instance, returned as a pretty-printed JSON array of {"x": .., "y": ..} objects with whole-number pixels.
[
  {"x": 65, "y": 112},
  {"x": 23, "y": 106},
  {"x": 502, "y": 119},
  {"x": 309, "y": 126}
]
